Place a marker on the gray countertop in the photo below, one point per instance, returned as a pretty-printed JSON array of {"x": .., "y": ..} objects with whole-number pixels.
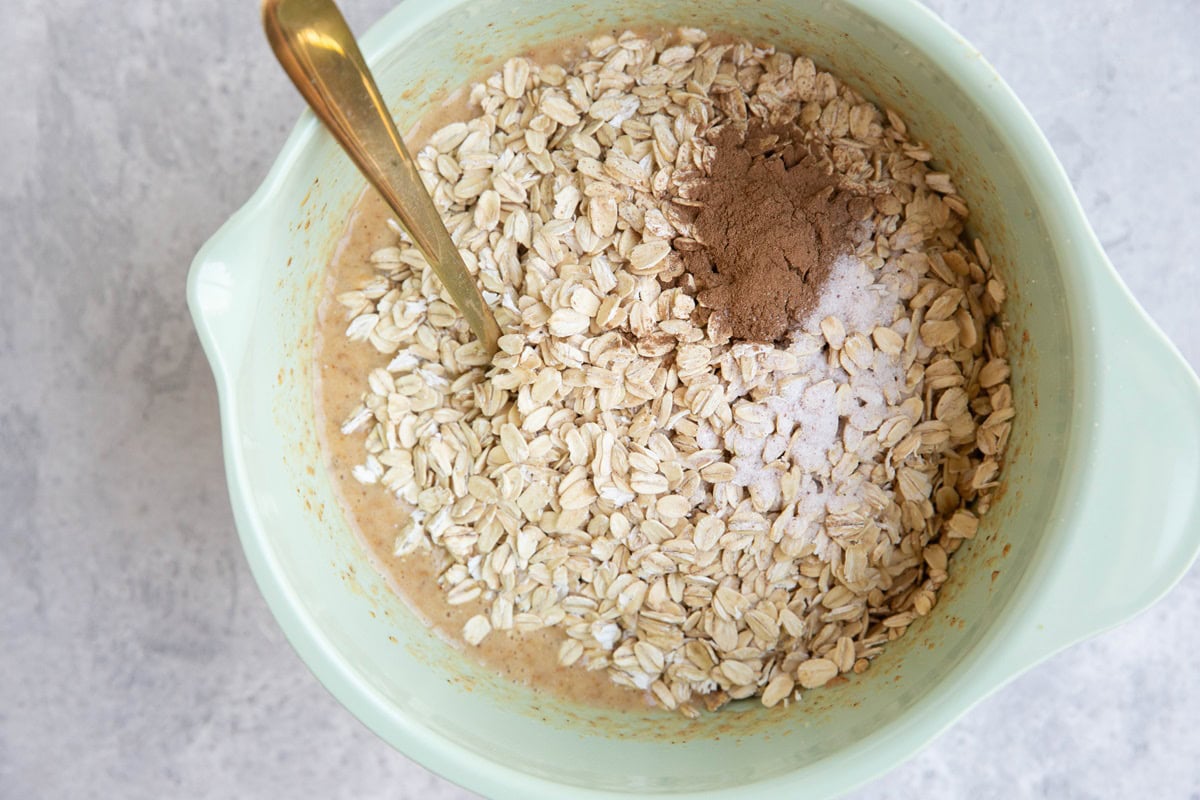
[{"x": 137, "y": 659}]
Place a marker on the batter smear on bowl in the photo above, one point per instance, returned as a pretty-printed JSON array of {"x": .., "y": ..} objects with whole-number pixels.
[{"x": 752, "y": 390}]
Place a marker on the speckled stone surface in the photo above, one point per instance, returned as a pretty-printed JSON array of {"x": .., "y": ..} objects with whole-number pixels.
[{"x": 137, "y": 659}]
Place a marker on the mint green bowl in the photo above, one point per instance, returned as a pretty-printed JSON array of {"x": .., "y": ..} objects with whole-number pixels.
[{"x": 1098, "y": 520}]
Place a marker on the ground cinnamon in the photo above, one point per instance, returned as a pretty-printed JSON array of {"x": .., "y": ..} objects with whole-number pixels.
[{"x": 770, "y": 224}]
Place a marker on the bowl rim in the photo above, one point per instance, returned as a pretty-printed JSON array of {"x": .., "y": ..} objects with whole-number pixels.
[{"x": 834, "y": 774}]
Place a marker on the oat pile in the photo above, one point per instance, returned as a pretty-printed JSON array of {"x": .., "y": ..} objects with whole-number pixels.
[{"x": 704, "y": 519}]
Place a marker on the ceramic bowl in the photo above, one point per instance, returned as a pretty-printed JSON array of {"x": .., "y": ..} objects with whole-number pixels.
[{"x": 1098, "y": 518}]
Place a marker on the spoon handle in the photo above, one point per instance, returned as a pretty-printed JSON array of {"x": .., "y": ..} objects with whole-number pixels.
[{"x": 318, "y": 51}]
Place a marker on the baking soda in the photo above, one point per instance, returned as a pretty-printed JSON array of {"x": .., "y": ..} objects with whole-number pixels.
[{"x": 809, "y": 414}]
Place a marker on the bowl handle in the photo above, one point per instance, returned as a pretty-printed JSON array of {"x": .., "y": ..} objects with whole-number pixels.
[
  {"x": 1136, "y": 517},
  {"x": 222, "y": 293}
]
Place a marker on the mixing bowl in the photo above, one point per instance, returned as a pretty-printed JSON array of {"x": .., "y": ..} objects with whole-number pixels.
[{"x": 1099, "y": 515}]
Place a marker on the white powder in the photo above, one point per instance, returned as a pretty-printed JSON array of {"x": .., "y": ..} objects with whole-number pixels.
[
  {"x": 706, "y": 437},
  {"x": 807, "y": 415},
  {"x": 852, "y": 294},
  {"x": 606, "y": 634}
]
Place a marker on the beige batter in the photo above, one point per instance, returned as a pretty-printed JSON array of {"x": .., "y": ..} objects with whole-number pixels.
[{"x": 375, "y": 514}]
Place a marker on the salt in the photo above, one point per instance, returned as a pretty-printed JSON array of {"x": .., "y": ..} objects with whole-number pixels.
[
  {"x": 852, "y": 295},
  {"x": 816, "y": 411}
]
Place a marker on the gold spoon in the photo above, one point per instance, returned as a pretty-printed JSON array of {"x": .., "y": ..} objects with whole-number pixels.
[{"x": 318, "y": 52}]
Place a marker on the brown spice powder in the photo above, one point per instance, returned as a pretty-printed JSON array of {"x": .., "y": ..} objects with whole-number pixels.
[{"x": 771, "y": 222}]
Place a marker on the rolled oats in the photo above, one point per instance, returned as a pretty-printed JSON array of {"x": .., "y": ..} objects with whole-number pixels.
[{"x": 704, "y": 519}]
